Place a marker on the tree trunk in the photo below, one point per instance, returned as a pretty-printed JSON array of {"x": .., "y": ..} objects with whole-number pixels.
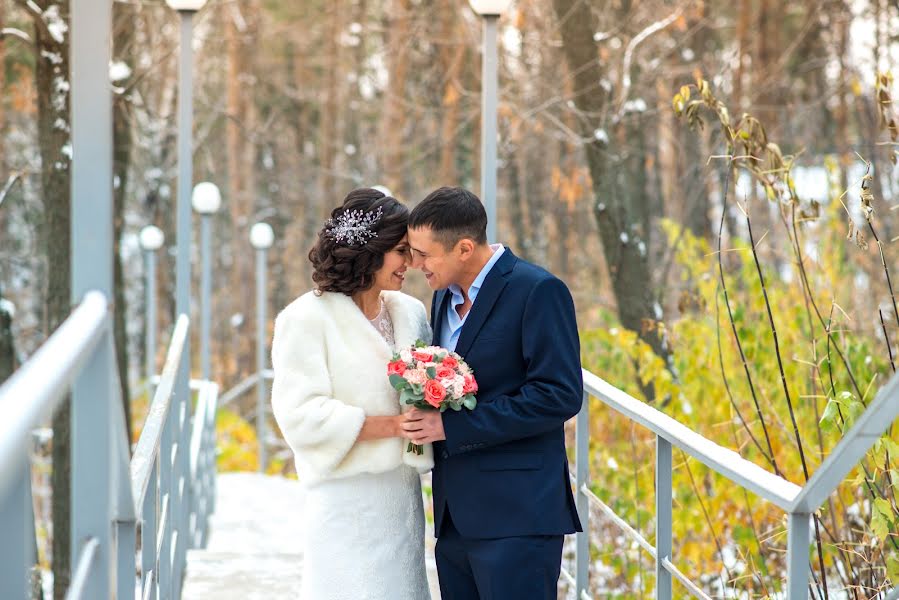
[
  {"x": 743, "y": 16},
  {"x": 240, "y": 194},
  {"x": 123, "y": 28},
  {"x": 451, "y": 55},
  {"x": 621, "y": 223},
  {"x": 328, "y": 141},
  {"x": 52, "y": 87},
  {"x": 395, "y": 102},
  {"x": 7, "y": 344},
  {"x": 3, "y": 86}
]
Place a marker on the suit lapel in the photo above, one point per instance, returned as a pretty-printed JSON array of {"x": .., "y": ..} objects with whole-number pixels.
[
  {"x": 439, "y": 304},
  {"x": 489, "y": 293}
]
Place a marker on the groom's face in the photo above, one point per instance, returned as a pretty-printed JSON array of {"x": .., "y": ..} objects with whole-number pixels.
[{"x": 440, "y": 265}]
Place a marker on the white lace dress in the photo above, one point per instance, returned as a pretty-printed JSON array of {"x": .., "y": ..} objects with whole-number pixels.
[{"x": 365, "y": 533}]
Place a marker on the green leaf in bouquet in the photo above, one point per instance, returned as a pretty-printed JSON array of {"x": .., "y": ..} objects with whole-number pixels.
[
  {"x": 398, "y": 382},
  {"x": 469, "y": 402},
  {"x": 456, "y": 406},
  {"x": 443, "y": 407},
  {"x": 407, "y": 396},
  {"x": 418, "y": 389},
  {"x": 438, "y": 358},
  {"x": 420, "y": 344},
  {"x": 432, "y": 372}
]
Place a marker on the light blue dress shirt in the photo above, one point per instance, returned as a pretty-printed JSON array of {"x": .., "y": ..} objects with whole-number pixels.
[{"x": 452, "y": 324}]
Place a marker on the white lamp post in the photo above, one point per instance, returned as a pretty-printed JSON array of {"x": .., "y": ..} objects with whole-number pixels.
[
  {"x": 170, "y": 474},
  {"x": 206, "y": 200},
  {"x": 261, "y": 237},
  {"x": 490, "y": 10},
  {"x": 151, "y": 239}
]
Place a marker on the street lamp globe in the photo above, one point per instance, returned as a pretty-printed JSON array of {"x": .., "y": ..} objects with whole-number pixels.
[
  {"x": 262, "y": 236},
  {"x": 487, "y": 8},
  {"x": 206, "y": 198},
  {"x": 151, "y": 238},
  {"x": 186, "y": 5}
]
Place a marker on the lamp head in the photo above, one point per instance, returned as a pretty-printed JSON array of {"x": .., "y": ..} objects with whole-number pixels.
[
  {"x": 206, "y": 198},
  {"x": 151, "y": 238},
  {"x": 487, "y": 8},
  {"x": 262, "y": 236},
  {"x": 186, "y": 5}
]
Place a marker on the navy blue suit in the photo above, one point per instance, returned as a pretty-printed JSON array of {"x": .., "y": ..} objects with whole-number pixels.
[{"x": 502, "y": 496}]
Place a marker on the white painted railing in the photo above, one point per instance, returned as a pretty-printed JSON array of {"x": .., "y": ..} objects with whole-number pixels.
[
  {"x": 797, "y": 502},
  {"x": 167, "y": 488}
]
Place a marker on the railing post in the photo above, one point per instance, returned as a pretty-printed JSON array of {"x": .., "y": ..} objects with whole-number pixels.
[
  {"x": 261, "y": 237},
  {"x": 163, "y": 560},
  {"x": 149, "y": 522},
  {"x": 92, "y": 444},
  {"x": 260, "y": 357},
  {"x": 15, "y": 555},
  {"x": 126, "y": 543},
  {"x": 211, "y": 466},
  {"x": 184, "y": 495},
  {"x": 798, "y": 540},
  {"x": 663, "y": 517},
  {"x": 582, "y": 474}
]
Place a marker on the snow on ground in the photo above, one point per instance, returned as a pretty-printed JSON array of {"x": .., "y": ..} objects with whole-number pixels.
[{"x": 254, "y": 547}]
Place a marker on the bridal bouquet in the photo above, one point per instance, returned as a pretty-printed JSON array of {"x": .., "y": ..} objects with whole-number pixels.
[{"x": 431, "y": 377}]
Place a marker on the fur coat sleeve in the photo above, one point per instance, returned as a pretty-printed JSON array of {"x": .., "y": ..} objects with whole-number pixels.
[
  {"x": 317, "y": 426},
  {"x": 330, "y": 369}
]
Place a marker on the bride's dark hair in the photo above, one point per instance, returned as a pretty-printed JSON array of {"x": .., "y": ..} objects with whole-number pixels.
[{"x": 340, "y": 267}]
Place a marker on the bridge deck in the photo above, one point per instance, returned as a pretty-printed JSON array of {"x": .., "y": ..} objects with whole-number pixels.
[{"x": 254, "y": 546}]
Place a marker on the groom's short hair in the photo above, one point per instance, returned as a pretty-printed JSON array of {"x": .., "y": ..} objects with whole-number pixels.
[{"x": 452, "y": 214}]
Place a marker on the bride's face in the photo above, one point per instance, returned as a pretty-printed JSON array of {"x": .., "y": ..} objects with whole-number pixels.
[{"x": 391, "y": 275}]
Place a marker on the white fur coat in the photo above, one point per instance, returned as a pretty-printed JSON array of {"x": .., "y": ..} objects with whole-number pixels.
[{"x": 330, "y": 368}]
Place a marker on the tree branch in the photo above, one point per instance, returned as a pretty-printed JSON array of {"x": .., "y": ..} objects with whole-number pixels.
[
  {"x": 16, "y": 33},
  {"x": 37, "y": 15},
  {"x": 9, "y": 183},
  {"x": 632, "y": 45}
]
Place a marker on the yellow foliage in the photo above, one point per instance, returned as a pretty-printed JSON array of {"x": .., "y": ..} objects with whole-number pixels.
[{"x": 624, "y": 455}]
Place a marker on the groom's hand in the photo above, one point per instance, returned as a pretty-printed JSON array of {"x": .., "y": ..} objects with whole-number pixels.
[{"x": 423, "y": 426}]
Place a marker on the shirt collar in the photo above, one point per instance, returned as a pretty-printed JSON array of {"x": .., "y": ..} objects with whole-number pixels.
[{"x": 498, "y": 250}]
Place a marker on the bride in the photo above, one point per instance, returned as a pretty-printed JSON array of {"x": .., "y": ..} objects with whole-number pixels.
[{"x": 363, "y": 516}]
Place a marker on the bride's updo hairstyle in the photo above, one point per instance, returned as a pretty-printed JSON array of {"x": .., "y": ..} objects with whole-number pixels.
[{"x": 352, "y": 244}]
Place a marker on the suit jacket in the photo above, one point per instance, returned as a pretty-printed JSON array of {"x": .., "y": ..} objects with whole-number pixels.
[{"x": 503, "y": 470}]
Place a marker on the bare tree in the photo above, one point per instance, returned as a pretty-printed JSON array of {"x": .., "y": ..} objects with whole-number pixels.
[
  {"x": 621, "y": 207},
  {"x": 51, "y": 55}
]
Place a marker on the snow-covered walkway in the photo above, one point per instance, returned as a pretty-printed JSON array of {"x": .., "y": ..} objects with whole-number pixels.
[{"x": 254, "y": 546}]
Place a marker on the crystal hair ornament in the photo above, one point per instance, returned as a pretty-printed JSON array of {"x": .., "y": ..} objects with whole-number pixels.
[{"x": 353, "y": 227}]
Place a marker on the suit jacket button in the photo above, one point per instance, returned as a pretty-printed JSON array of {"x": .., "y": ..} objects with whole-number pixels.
[{"x": 445, "y": 454}]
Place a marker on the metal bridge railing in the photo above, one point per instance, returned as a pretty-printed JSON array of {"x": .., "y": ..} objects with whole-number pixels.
[
  {"x": 166, "y": 489},
  {"x": 797, "y": 502}
]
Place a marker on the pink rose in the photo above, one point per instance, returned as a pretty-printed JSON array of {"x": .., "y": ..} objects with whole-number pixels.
[
  {"x": 396, "y": 367},
  {"x": 444, "y": 372},
  {"x": 416, "y": 376},
  {"x": 434, "y": 393},
  {"x": 450, "y": 362},
  {"x": 471, "y": 386},
  {"x": 422, "y": 356}
]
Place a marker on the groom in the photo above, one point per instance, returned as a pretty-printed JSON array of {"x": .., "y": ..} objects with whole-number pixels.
[{"x": 502, "y": 498}]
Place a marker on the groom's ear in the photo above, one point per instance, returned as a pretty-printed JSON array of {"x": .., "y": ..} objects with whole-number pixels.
[{"x": 465, "y": 247}]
